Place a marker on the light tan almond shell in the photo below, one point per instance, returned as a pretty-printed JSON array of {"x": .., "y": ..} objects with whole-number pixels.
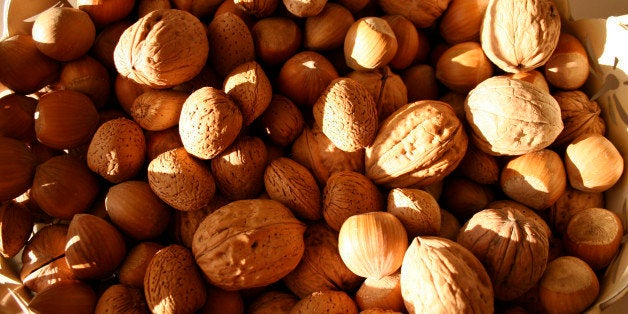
[
  {"x": 117, "y": 150},
  {"x": 417, "y": 145},
  {"x": 512, "y": 245},
  {"x": 162, "y": 49},
  {"x": 423, "y": 13},
  {"x": 441, "y": 276},
  {"x": 347, "y": 114},
  {"x": 579, "y": 115},
  {"x": 321, "y": 267},
  {"x": 291, "y": 184},
  {"x": 250, "y": 89},
  {"x": 173, "y": 283},
  {"x": 231, "y": 43},
  {"x": 210, "y": 121},
  {"x": 181, "y": 180},
  {"x": 511, "y": 117},
  {"x": 239, "y": 169},
  {"x": 520, "y": 35},
  {"x": 263, "y": 236}
]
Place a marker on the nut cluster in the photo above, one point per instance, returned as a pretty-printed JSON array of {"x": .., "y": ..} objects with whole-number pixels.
[{"x": 181, "y": 156}]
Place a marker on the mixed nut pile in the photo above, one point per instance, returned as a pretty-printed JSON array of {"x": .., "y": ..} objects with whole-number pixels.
[{"x": 266, "y": 156}]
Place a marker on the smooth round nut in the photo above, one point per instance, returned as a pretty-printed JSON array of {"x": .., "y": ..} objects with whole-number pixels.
[
  {"x": 17, "y": 163},
  {"x": 369, "y": 44},
  {"x": 593, "y": 163},
  {"x": 64, "y": 33},
  {"x": 568, "y": 285}
]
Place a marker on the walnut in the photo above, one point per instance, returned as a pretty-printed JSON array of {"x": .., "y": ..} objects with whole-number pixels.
[
  {"x": 511, "y": 117},
  {"x": 162, "y": 49},
  {"x": 519, "y": 36},
  {"x": 579, "y": 114}
]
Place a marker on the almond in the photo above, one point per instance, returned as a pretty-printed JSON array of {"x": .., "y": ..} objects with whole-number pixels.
[
  {"x": 117, "y": 150},
  {"x": 173, "y": 283},
  {"x": 293, "y": 185},
  {"x": 231, "y": 41}
]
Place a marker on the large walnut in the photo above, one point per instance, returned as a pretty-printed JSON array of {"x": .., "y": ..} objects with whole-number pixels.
[
  {"x": 248, "y": 244},
  {"x": 512, "y": 245},
  {"x": 162, "y": 49},
  {"x": 441, "y": 276},
  {"x": 511, "y": 117},
  {"x": 520, "y": 35},
  {"x": 417, "y": 145}
]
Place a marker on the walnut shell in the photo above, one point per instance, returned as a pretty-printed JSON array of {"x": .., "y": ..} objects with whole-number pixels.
[
  {"x": 416, "y": 145},
  {"x": 441, "y": 276},
  {"x": 173, "y": 283},
  {"x": 347, "y": 114},
  {"x": 262, "y": 235},
  {"x": 511, "y": 117},
  {"x": 321, "y": 267},
  {"x": 317, "y": 153},
  {"x": 519, "y": 36},
  {"x": 511, "y": 245},
  {"x": 349, "y": 193},
  {"x": 210, "y": 121},
  {"x": 239, "y": 169},
  {"x": 579, "y": 115},
  {"x": 180, "y": 180},
  {"x": 162, "y": 49}
]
